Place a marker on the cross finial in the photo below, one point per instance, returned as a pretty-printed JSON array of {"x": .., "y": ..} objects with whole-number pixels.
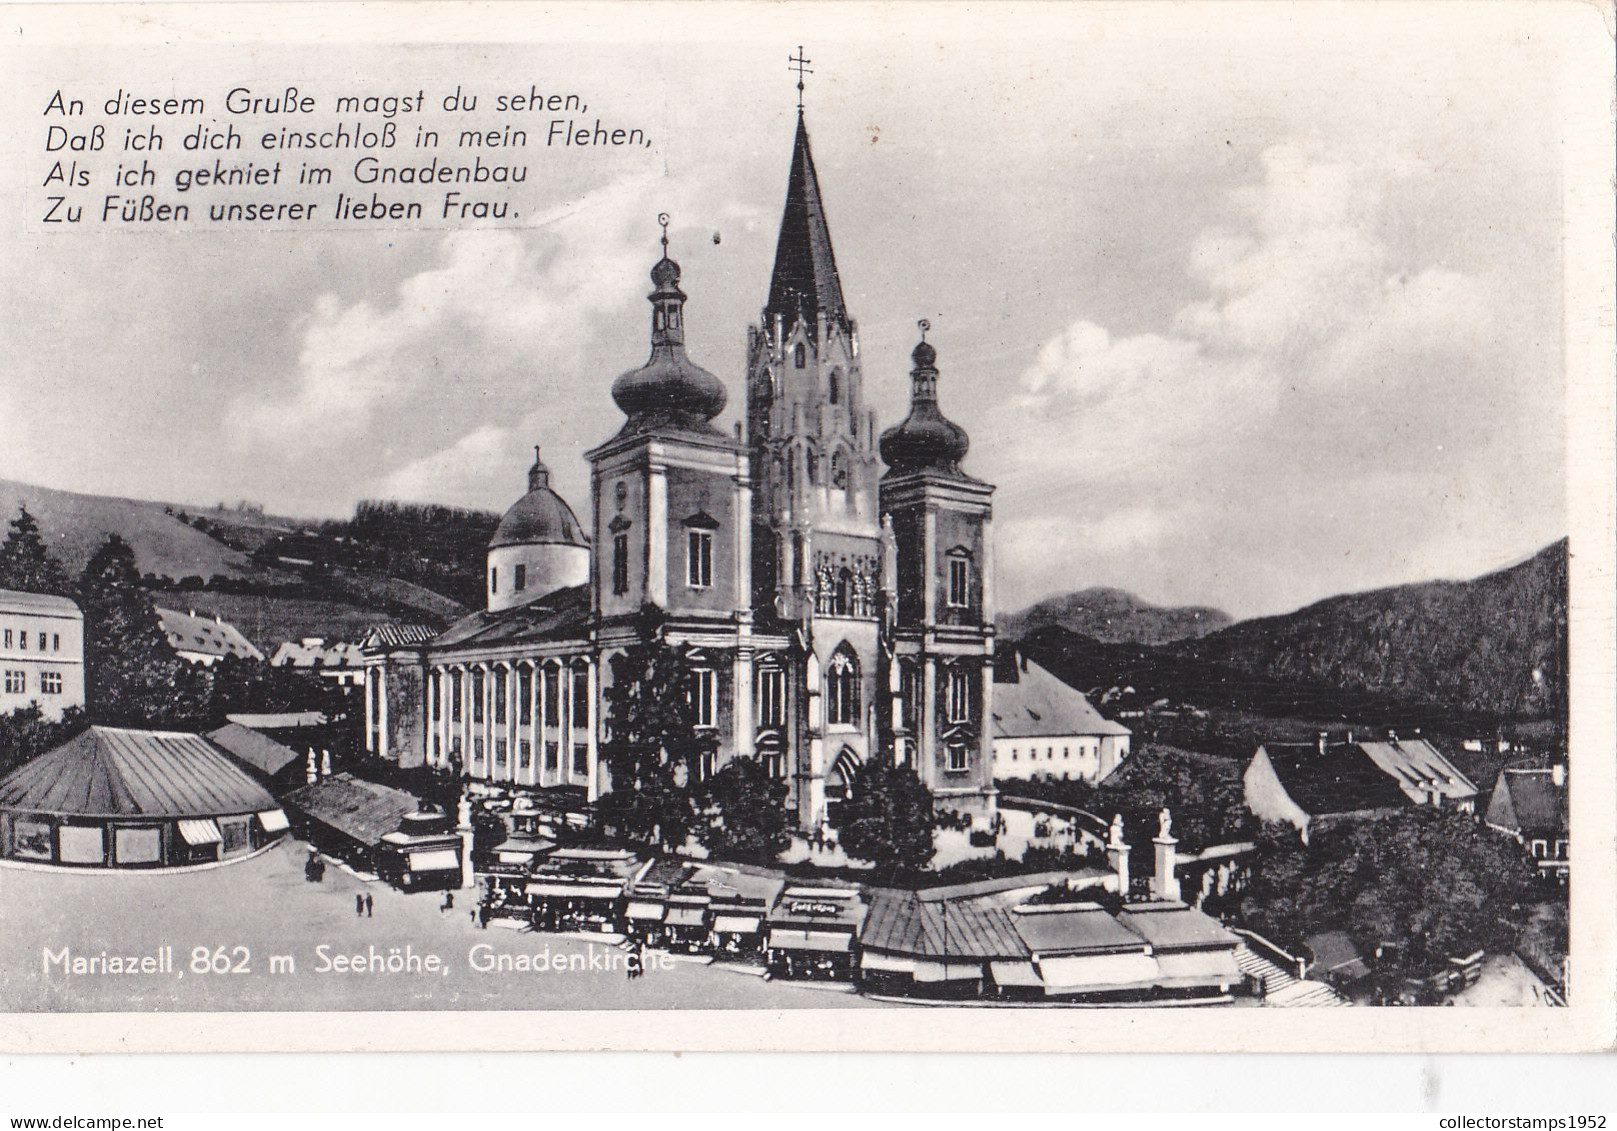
[
  {"x": 925, "y": 326},
  {"x": 662, "y": 218},
  {"x": 800, "y": 64},
  {"x": 536, "y": 458}
]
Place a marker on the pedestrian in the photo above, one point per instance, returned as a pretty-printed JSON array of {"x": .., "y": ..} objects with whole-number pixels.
[
  {"x": 369, "y": 903},
  {"x": 359, "y": 905},
  {"x": 449, "y": 901}
]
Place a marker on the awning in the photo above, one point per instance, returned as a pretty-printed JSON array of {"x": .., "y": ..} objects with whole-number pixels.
[
  {"x": 435, "y": 860},
  {"x": 273, "y": 821},
  {"x": 1015, "y": 974},
  {"x": 200, "y": 832},
  {"x": 831, "y": 942},
  {"x": 930, "y": 971},
  {"x": 645, "y": 912},
  {"x": 687, "y": 917},
  {"x": 870, "y": 960},
  {"x": 576, "y": 891},
  {"x": 518, "y": 856},
  {"x": 1183, "y": 969},
  {"x": 1097, "y": 972},
  {"x": 738, "y": 924}
]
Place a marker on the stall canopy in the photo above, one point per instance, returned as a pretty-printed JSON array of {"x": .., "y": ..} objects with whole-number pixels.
[
  {"x": 435, "y": 860},
  {"x": 574, "y": 891},
  {"x": 645, "y": 912},
  {"x": 790, "y": 938},
  {"x": 687, "y": 916},
  {"x": 273, "y": 821},
  {"x": 738, "y": 924},
  {"x": 198, "y": 833}
]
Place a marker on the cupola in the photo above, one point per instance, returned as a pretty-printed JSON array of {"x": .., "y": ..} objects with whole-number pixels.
[{"x": 926, "y": 440}]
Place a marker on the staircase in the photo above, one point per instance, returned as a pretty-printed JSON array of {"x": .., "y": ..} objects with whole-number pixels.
[{"x": 1283, "y": 988}]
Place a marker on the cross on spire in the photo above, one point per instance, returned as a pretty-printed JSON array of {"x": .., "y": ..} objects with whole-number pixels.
[
  {"x": 925, "y": 326},
  {"x": 662, "y": 218},
  {"x": 800, "y": 64}
]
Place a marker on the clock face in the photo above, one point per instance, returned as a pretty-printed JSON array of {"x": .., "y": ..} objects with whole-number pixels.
[{"x": 621, "y": 494}]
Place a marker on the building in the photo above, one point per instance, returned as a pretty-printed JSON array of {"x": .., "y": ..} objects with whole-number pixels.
[
  {"x": 341, "y": 662},
  {"x": 41, "y": 653},
  {"x": 349, "y": 818},
  {"x": 832, "y": 584},
  {"x": 276, "y": 766},
  {"x": 1302, "y": 783},
  {"x": 1531, "y": 806},
  {"x": 1046, "y": 729},
  {"x": 117, "y": 798},
  {"x": 204, "y": 640}
]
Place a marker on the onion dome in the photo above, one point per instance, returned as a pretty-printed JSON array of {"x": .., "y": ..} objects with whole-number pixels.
[
  {"x": 926, "y": 440},
  {"x": 540, "y": 516},
  {"x": 670, "y": 389}
]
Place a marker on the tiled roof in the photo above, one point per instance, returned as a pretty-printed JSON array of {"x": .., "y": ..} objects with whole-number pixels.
[
  {"x": 1036, "y": 704},
  {"x": 397, "y": 635},
  {"x": 113, "y": 772},
  {"x": 316, "y": 653},
  {"x": 1532, "y": 804},
  {"x": 360, "y": 809},
  {"x": 16, "y": 600},
  {"x": 1342, "y": 779},
  {"x": 562, "y": 615},
  {"x": 253, "y": 749},
  {"x": 901, "y": 922},
  {"x": 1418, "y": 767},
  {"x": 209, "y": 636}
]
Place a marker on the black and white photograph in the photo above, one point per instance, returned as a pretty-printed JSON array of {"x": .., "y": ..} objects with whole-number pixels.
[{"x": 1040, "y": 520}]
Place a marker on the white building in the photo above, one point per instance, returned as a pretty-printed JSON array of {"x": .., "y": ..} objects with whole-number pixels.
[
  {"x": 1046, "y": 729},
  {"x": 41, "y": 652},
  {"x": 204, "y": 640},
  {"x": 341, "y": 662}
]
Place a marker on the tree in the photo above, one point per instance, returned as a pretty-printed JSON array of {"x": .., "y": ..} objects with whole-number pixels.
[
  {"x": 26, "y": 564},
  {"x": 132, "y": 676},
  {"x": 1437, "y": 882},
  {"x": 653, "y": 748},
  {"x": 746, "y": 811},
  {"x": 888, "y": 820},
  {"x": 26, "y": 733},
  {"x": 241, "y": 683}
]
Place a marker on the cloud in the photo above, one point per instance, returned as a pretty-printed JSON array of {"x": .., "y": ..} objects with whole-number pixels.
[
  {"x": 1320, "y": 394},
  {"x": 459, "y": 474}
]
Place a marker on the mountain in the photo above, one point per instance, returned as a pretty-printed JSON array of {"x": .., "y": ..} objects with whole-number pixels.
[
  {"x": 1113, "y": 616},
  {"x": 1494, "y": 645}
]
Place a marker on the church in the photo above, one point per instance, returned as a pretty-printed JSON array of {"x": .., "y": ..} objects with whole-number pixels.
[{"x": 832, "y": 583}]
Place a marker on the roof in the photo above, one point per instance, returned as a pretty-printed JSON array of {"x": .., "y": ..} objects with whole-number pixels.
[
  {"x": 359, "y": 809},
  {"x": 1334, "y": 950},
  {"x": 1037, "y": 705},
  {"x": 114, "y": 772},
  {"x": 1169, "y": 925},
  {"x": 314, "y": 652},
  {"x": 1418, "y": 767},
  {"x": 902, "y": 922},
  {"x": 278, "y": 720},
  {"x": 1342, "y": 779},
  {"x": 540, "y": 516},
  {"x": 254, "y": 750},
  {"x": 209, "y": 636},
  {"x": 805, "y": 278},
  {"x": 1529, "y": 802},
  {"x": 1072, "y": 928},
  {"x": 397, "y": 635},
  {"x": 562, "y": 615},
  {"x": 16, "y": 600}
]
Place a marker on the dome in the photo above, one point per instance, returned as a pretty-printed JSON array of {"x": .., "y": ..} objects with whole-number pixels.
[
  {"x": 670, "y": 388},
  {"x": 540, "y": 516},
  {"x": 926, "y": 440}
]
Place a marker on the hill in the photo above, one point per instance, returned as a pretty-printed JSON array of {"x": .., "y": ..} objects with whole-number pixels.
[
  {"x": 1113, "y": 616},
  {"x": 1494, "y": 645}
]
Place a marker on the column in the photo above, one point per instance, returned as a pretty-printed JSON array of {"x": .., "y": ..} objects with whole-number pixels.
[
  {"x": 926, "y": 731},
  {"x": 564, "y": 721},
  {"x": 743, "y": 697},
  {"x": 929, "y": 567},
  {"x": 657, "y": 537},
  {"x": 594, "y": 785},
  {"x": 987, "y": 582},
  {"x": 536, "y": 737},
  {"x": 381, "y": 698}
]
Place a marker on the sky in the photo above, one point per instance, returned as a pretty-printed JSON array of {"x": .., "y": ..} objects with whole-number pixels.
[{"x": 1240, "y": 306}]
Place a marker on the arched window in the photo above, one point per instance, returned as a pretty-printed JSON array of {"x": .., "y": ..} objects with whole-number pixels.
[
  {"x": 842, "y": 595},
  {"x": 835, "y": 386},
  {"x": 799, "y": 356},
  {"x": 957, "y": 698},
  {"x": 811, "y": 465},
  {"x": 959, "y": 579},
  {"x": 842, "y": 689},
  {"x": 839, "y": 470}
]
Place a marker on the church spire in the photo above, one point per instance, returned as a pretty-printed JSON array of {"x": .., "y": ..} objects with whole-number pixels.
[
  {"x": 926, "y": 440},
  {"x": 805, "y": 280}
]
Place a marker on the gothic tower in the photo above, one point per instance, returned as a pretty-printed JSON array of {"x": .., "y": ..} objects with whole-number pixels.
[
  {"x": 942, "y": 678},
  {"x": 817, "y": 541}
]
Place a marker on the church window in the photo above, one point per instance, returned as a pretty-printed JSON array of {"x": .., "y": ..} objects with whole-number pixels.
[
  {"x": 842, "y": 689},
  {"x": 521, "y": 578},
  {"x": 500, "y": 749},
  {"x": 477, "y": 697},
  {"x": 771, "y": 697},
  {"x": 811, "y": 465},
  {"x": 907, "y": 686},
  {"x": 581, "y": 760},
  {"x": 552, "y": 758},
  {"x": 494, "y": 579},
  {"x": 835, "y": 386},
  {"x": 525, "y": 696},
  {"x": 581, "y": 697},
  {"x": 700, "y": 696},
  {"x": 499, "y": 695},
  {"x": 799, "y": 356},
  {"x": 435, "y": 691},
  {"x": 959, "y": 581},
  {"x": 552, "y": 696},
  {"x": 454, "y": 697},
  {"x": 620, "y": 564},
  {"x": 958, "y": 698},
  {"x": 842, "y": 593},
  {"x": 524, "y": 754},
  {"x": 699, "y": 559},
  {"x": 959, "y": 761},
  {"x": 839, "y": 471}
]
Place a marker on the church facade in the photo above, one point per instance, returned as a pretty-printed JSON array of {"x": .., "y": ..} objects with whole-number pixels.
[{"x": 832, "y": 584}]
